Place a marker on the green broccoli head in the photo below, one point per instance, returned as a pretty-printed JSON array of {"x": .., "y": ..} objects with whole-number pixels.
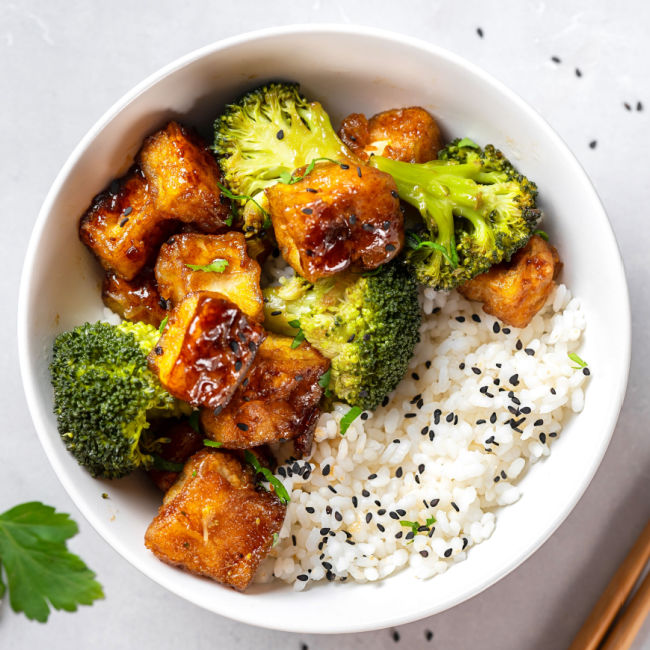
[
  {"x": 368, "y": 325},
  {"x": 270, "y": 132},
  {"x": 104, "y": 394},
  {"x": 477, "y": 209}
]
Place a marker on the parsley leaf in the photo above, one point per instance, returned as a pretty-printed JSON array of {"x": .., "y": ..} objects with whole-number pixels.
[
  {"x": 216, "y": 266},
  {"x": 212, "y": 443},
  {"x": 349, "y": 418},
  {"x": 415, "y": 242},
  {"x": 41, "y": 572},
  {"x": 290, "y": 179},
  {"x": 324, "y": 381},
  {"x": 280, "y": 490},
  {"x": 245, "y": 197},
  {"x": 576, "y": 359},
  {"x": 163, "y": 325},
  {"x": 276, "y": 539},
  {"x": 542, "y": 234}
]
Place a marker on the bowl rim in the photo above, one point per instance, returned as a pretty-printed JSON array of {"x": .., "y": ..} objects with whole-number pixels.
[{"x": 30, "y": 384}]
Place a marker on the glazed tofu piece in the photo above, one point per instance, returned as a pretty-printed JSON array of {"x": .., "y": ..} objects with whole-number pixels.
[
  {"x": 278, "y": 401},
  {"x": 215, "y": 522},
  {"x": 407, "y": 134},
  {"x": 206, "y": 350},
  {"x": 182, "y": 441},
  {"x": 134, "y": 300},
  {"x": 515, "y": 291},
  {"x": 122, "y": 227},
  {"x": 239, "y": 280},
  {"x": 337, "y": 218},
  {"x": 183, "y": 177}
]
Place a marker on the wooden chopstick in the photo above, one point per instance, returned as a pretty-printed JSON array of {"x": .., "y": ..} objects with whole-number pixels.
[
  {"x": 628, "y": 625},
  {"x": 595, "y": 627}
]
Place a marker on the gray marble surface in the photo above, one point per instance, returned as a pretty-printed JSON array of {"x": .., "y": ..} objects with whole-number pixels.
[{"x": 63, "y": 63}]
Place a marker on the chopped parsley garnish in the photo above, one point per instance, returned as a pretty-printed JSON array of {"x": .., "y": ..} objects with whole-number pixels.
[
  {"x": 414, "y": 241},
  {"x": 212, "y": 443},
  {"x": 349, "y": 418},
  {"x": 40, "y": 571},
  {"x": 542, "y": 234},
  {"x": 299, "y": 337},
  {"x": 576, "y": 359},
  {"x": 217, "y": 265},
  {"x": 244, "y": 197},
  {"x": 163, "y": 325},
  {"x": 324, "y": 381},
  {"x": 413, "y": 525},
  {"x": 276, "y": 539},
  {"x": 280, "y": 490},
  {"x": 290, "y": 179}
]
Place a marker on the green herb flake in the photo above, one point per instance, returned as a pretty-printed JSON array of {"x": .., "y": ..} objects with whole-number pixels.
[
  {"x": 244, "y": 197},
  {"x": 212, "y": 443},
  {"x": 104, "y": 495},
  {"x": 430, "y": 521},
  {"x": 216, "y": 266},
  {"x": 163, "y": 324},
  {"x": 290, "y": 179},
  {"x": 576, "y": 359},
  {"x": 324, "y": 381},
  {"x": 415, "y": 242},
  {"x": 41, "y": 573},
  {"x": 276, "y": 539},
  {"x": 349, "y": 418},
  {"x": 468, "y": 142},
  {"x": 297, "y": 339},
  {"x": 542, "y": 234},
  {"x": 280, "y": 490},
  {"x": 295, "y": 324},
  {"x": 413, "y": 525}
]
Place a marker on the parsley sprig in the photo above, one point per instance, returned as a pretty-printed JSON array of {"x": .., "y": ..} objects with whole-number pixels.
[
  {"x": 576, "y": 359},
  {"x": 280, "y": 490},
  {"x": 217, "y": 265},
  {"x": 415, "y": 526},
  {"x": 290, "y": 179},
  {"x": 349, "y": 418},
  {"x": 542, "y": 234},
  {"x": 244, "y": 197},
  {"x": 40, "y": 571},
  {"x": 299, "y": 337}
]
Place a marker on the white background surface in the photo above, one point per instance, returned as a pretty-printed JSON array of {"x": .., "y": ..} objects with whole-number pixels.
[{"x": 63, "y": 64}]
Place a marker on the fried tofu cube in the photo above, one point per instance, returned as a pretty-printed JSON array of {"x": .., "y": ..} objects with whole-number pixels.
[
  {"x": 406, "y": 134},
  {"x": 122, "y": 227},
  {"x": 239, "y": 280},
  {"x": 205, "y": 350},
  {"x": 135, "y": 300},
  {"x": 180, "y": 442},
  {"x": 214, "y": 522},
  {"x": 337, "y": 217},
  {"x": 278, "y": 401},
  {"x": 183, "y": 177},
  {"x": 515, "y": 291}
]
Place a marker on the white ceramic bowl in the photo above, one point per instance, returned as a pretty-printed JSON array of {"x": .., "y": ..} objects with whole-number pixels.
[{"x": 364, "y": 70}]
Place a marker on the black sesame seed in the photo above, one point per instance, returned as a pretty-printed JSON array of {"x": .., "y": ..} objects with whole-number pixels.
[
  {"x": 455, "y": 507},
  {"x": 394, "y": 194},
  {"x": 627, "y": 106},
  {"x": 514, "y": 380},
  {"x": 421, "y": 468},
  {"x": 384, "y": 402},
  {"x": 381, "y": 512},
  {"x": 386, "y": 225},
  {"x": 330, "y": 576},
  {"x": 516, "y": 400},
  {"x": 586, "y": 372},
  {"x": 283, "y": 472},
  {"x": 389, "y": 248},
  {"x": 218, "y": 410},
  {"x": 424, "y": 431},
  {"x": 476, "y": 318},
  {"x": 355, "y": 501},
  {"x": 515, "y": 423},
  {"x": 399, "y": 472},
  {"x": 556, "y": 59},
  {"x": 238, "y": 365},
  {"x": 504, "y": 476},
  {"x": 123, "y": 222},
  {"x": 415, "y": 376},
  {"x": 127, "y": 211},
  {"x": 344, "y": 166},
  {"x": 350, "y": 542},
  {"x": 359, "y": 171},
  {"x": 496, "y": 328},
  {"x": 311, "y": 190},
  {"x": 381, "y": 528},
  {"x": 542, "y": 438},
  {"x": 410, "y": 535},
  {"x": 280, "y": 134},
  {"x": 352, "y": 219},
  {"x": 593, "y": 144},
  {"x": 399, "y": 535},
  {"x": 395, "y": 635},
  {"x": 368, "y": 517},
  {"x": 310, "y": 510},
  {"x": 234, "y": 346},
  {"x": 460, "y": 319},
  {"x": 324, "y": 531},
  {"x": 328, "y": 510},
  {"x": 368, "y": 227},
  {"x": 372, "y": 476},
  {"x": 410, "y": 415},
  {"x": 401, "y": 512},
  {"x": 365, "y": 493},
  {"x": 326, "y": 470},
  {"x": 506, "y": 330},
  {"x": 530, "y": 352},
  {"x": 351, "y": 338},
  {"x": 302, "y": 577},
  {"x": 332, "y": 489},
  {"x": 448, "y": 552},
  {"x": 479, "y": 31},
  {"x": 420, "y": 403},
  {"x": 461, "y": 366},
  {"x": 552, "y": 435},
  {"x": 158, "y": 350},
  {"x": 525, "y": 410},
  {"x": 476, "y": 371},
  {"x": 513, "y": 410},
  {"x": 424, "y": 553},
  {"x": 498, "y": 365},
  {"x": 450, "y": 417},
  {"x": 483, "y": 389},
  {"x": 276, "y": 312},
  {"x": 364, "y": 415},
  {"x": 493, "y": 418},
  {"x": 553, "y": 391},
  {"x": 397, "y": 441},
  {"x": 481, "y": 421},
  {"x": 393, "y": 515},
  {"x": 307, "y": 210},
  {"x": 639, "y": 106},
  {"x": 578, "y": 72}
]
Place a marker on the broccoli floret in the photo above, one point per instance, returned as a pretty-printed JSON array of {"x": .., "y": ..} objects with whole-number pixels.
[
  {"x": 269, "y": 133},
  {"x": 368, "y": 325},
  {"x": 104, "y": 394},
  {"x": 477, "y": 209}
]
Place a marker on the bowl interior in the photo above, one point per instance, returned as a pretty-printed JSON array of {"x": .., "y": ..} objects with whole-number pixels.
[{"x": 61, "y": 289}]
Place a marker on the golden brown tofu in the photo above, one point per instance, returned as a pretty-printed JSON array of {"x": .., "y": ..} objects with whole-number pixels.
[
  {"x": 214, "y": 522},
  {"x": 515, "y": 291},
  {"x": 337, "y": 218},
  {"x": 277, "y": 401},
  {"x": 205, "y": 350},
  {"x": 407, "y": 134},
  {"x": 122, "y": 227},
  {"x": 183, "y": 177},
  {"x": 134, "y": 300},
  {"x": 181, "y": 443},
  {"x": 239, "y": 281}
]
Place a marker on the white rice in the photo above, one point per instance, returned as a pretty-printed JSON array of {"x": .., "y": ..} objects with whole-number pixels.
[{"x": 453, "y": 460}]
